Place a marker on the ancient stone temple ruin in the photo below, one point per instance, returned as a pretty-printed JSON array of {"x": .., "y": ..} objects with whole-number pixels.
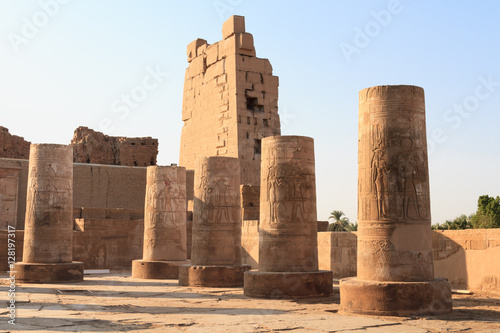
[
  {"x": 94, "y": 147},
  {"x": 230, "y": 101},
  {"x": 395, "y": 274},
  {"x": 164, "y": 224},
  {"x": 48, "y": 238},
  {"x": 216, "y": 250},
  {"x": 288, "y": 249}
]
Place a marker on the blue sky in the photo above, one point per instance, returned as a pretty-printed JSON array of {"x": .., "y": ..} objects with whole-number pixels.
[{"x": 65, "y": 64}]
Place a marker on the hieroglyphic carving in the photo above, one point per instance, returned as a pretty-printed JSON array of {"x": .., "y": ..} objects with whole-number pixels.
[
  {"x": 165, "y": 214},
  {"x": 49, "y": 205},
  {"x": 217, "y": 213},
  {"x": 393, "y": 185},
  {"x": 288, "y": 205}
]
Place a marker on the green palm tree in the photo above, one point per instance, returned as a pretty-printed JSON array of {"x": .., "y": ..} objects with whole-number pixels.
[{"x": 340, "y": 222}]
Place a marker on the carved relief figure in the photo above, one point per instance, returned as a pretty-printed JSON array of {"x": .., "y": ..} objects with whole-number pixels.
[
  {"x": 409, "y": 178},
  {"x": 379, "y": 169}
]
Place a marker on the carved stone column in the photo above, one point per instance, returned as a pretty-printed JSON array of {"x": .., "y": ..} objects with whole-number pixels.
[
  {"x": 164, "y": 224},
  {"x": 216, "y": 244},
  {"x": 395, "y": 260},
  {"x": 288, "y": 251},
  {"x": 48, "y": 236}
]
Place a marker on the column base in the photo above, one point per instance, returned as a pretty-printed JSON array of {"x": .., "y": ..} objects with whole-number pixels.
[
  {"x": 288, "y": 285},
  {"x": 395, "y": 298},
  {"x": 48, "y": 273},
  {"x": 212, "y": 276},
  {"x": 147, "y": 269}
]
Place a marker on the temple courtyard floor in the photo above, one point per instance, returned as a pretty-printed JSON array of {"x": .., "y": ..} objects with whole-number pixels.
[{"x": 117, "y": 302}]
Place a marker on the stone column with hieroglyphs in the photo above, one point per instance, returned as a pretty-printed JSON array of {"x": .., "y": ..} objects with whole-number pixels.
[
  {"x": 48, "y": 236},
  {"x": 288, "y": 251},
  {"x": 164, "y": 224},
  {"x": 395, "y": 259},
  {"x": 216, "y": 243}
]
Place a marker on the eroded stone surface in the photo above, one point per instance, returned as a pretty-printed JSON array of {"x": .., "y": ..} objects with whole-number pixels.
[
  {"x": 230, "y": 101},
  {"x": 104, "y": 303},
  {"x": 13, "y": 146},
  {"x": 288, "y": 250},
  {"x": 48, "y": 237},
  {"x": 393, "y": 186},
  {"x": 217, "y": 213},
  {"x": 49, "y": 205},
  {"x": 395, "y": 260},
  {"x": 97, "y": 148},
  {"x": 288, "y": 241},
  {"x": 165, "y": 214}
]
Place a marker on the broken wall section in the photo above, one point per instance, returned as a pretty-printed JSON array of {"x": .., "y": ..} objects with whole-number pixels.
[{"x": 94, "y": 147}]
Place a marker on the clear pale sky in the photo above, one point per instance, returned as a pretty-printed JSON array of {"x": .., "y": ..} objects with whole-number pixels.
[{"x": 65, "y": 64}]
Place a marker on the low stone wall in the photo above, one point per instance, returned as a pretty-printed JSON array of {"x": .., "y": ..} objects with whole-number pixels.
[
  {"x": 94, "y": 186},
  {"x": 337, "y": 252},
  {"x": 250, "y": 243},
  {"x": 99, "y": 243},
  {"x": 108, "y": 243},
  {"x": 469, "y": 259}
]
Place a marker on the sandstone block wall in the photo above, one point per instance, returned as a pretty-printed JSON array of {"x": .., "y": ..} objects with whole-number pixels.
[
  {"x": 110, "y": 243},
  {"x": 95, "y": 186},
  {"x": 469, "y": 259},
  {"x": 230, "y": 101},
  {"x": 13, "y": 146},
  {"x": 250, "y": 243},
  {"x": 337, "y": 252},
  {"x": 250, "y": 202},
  {"x": 94, "y": 147}
]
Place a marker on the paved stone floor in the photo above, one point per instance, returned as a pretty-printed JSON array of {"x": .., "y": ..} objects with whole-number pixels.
[{"x": 117, "y": 302}]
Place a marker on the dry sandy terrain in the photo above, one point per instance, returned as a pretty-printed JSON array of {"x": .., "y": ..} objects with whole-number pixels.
[{"x": 117, "y": 302}]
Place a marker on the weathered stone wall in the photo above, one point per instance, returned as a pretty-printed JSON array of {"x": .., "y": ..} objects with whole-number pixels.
[
  {"x": 95, "y": 186},
  {"x": 337, "y": 252},
  {"x": 250, "y": 243},
  {"x": 13, "y": 146},
  {"x": 110, "y": 243},
  {"x": 468, "y": 258},
  {"x": 94, "y": 147},
  {"x": 250, "y": 202},
  {"x": 230, "y": 101}
]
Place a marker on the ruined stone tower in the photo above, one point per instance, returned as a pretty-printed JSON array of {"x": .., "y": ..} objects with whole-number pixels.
[{"x": 230, "y": 101}]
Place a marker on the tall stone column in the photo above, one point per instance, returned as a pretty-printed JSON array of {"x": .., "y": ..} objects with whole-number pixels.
[
  {"x": 395, "y": 260},
  {"x": 216, "y": 247},
  {"x": 48, "y": 235},
  {"x": 164, "y": 224},
  {"x": 288, "y": 250}
]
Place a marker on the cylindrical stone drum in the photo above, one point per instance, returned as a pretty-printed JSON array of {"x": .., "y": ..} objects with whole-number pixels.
[
  {"x": 48, "y": 235},
  {"x": 394, "y": 237},
  {"x": 165, "y": 214},
  {"x": 217, "y": 212},
  {"x": 288, "y": 222}
]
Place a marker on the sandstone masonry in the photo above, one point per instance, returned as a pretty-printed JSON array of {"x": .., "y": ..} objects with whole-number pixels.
[
  {"x": 94, "y": 147},
  {"x": 13, "y": 146},
  {"x": 230, "y": 101}
]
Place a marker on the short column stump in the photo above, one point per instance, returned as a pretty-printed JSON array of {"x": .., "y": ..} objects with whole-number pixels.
[
  {"x": 212, "y": 276},
  {"x": 383, "y": 298},
  {"x": 145, "y": 269},
  {"x": 48, "y": 273},
  {"x": 288, "y": 285}
]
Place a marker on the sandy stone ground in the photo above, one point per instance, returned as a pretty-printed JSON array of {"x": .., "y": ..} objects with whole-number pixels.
[{"x": 117, "y": 302}]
